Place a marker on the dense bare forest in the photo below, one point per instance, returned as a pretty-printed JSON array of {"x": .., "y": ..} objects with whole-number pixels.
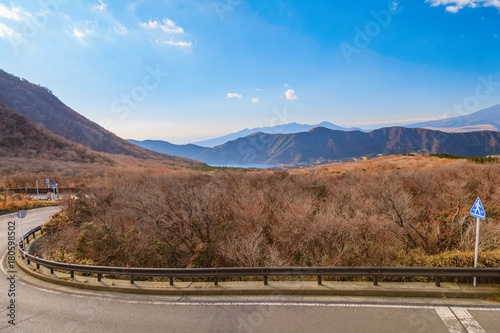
[{"x": 354, "y": 217}]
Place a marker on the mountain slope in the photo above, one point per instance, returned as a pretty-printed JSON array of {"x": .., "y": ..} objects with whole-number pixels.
[
  {"x": 278, "y": 129},
  {"x": 20, "y": 137},
  {"x": 44, "y": 109},
  {"x": 487, "y": 119}
]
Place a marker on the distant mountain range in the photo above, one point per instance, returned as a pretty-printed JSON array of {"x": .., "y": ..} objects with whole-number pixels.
[
  {"x": 322, "y": 145},
  {"x": 278, "y": 129},
  {"x": 484, "y": 120},
  {"x": 40, "y": 106}
]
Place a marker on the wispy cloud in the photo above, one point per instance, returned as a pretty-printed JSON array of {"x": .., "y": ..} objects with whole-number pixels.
[
  {"x": 290, "y": 95},
  {"x": 14, "y": 13},
  {"x": 174, "y": 43},
  {"x": 78, "y": 34},
  {"x": 453, "y": 6},
  {"x": 5, "y": 31},
  {"x": 100, "y": 6},
  {"x": 161, "y": 33},
  {"x": 255, "y": 100},
  {"x": 166, "y": 25},
  {"x": 120, "y": 29},
  {"x": 85, "y": 29},
  {"x": 233, "y": 95}
]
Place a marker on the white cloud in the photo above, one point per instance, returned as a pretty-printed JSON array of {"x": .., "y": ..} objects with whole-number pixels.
[
  {"x": 453, "y": 6},
  {"x": 255, "y": 100},
  {"x": 286, "y": 85},
  {"x": 170, "y": 27},
  {"x": 167, "y": 25},
  {"x": 174, "y": 43},
  {"x": 120, "y": 29},
  {"x": 257, "y": 89},
  {"x": 150, "y": 25},
  {"x": 233, "y": 95},
  {"x": 101, "y": 6},
  {"x": 78, "y": 34},
  {"x": 6, "y": 31},
  {"x": 290, "y": 95},
  {"x": 12, "y": 14},
  {"x": 85, "y": 29}
]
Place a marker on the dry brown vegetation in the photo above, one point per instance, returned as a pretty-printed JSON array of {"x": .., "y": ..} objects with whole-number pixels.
[{"x": 334, "y": 215}]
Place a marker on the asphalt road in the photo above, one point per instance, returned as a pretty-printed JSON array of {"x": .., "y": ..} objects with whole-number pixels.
[{"x": 42, "y": 308}]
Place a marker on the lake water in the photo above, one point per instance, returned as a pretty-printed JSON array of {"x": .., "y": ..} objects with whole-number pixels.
[{"x": 245, "y": 165}]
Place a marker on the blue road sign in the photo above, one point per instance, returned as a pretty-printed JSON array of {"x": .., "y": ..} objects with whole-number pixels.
[
  {"x": 477, "y": 210},
  {"x": 47, "y": 181},
  {"x": 54, "y": 185}
]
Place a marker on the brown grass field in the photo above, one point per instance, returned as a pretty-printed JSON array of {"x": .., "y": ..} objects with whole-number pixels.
[{"x": 394, "y": 210}]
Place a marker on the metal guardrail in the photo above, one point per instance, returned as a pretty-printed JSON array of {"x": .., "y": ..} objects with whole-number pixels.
[
  {"x": 265, "y": 272},
  {"x": 33, "y": 190}
]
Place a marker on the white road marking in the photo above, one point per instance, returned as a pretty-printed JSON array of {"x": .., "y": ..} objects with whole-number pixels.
[
  {"x": 470, "y": 324},
  {"x": 449, "y": 319}
]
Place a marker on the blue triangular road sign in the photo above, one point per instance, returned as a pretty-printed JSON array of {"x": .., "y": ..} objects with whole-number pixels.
[{"x": 477, "y": 210}]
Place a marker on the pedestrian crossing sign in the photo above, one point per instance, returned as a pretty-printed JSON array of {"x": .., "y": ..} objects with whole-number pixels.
[{"x": 477, "y": 210}]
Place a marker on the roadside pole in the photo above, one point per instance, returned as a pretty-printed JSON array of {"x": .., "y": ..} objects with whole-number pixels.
[
  {"x": 54, "y": 192},
  {"x": 477, "y": 247},
  {"x": 21, "y": 214},
  {"x": 477, "y": 211}
]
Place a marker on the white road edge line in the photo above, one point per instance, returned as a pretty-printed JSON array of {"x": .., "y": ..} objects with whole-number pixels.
[
  {"x": 449, "y": 319},
  {"x": 470, "y": 324}
]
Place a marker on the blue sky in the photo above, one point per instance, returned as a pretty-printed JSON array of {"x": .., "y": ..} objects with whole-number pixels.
[{"x": 189, "y": 70}]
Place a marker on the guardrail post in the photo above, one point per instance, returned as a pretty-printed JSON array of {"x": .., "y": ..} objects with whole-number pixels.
[
  {"x": 438, "y": 281},
  {"x": 319, "y": 280},
  {"x": 375, "y": 280},
  {"x": 216, "y": 281},
  {"x": 131, "y": 279},
  {"x": 41, "y": 231},
  {"x": 72, "y": 274},
  {"x": 27, "y": 261},
  {"x": 265, "y": 280},
  {"x": 37, "y": 266},
  {"x": 28, "y": 239},
  {"x": 34, "y": 235},
  {"x": 99, "y": 277},
  {"x": 171, "y": 280},
  {"x": 51, "y": 270}
]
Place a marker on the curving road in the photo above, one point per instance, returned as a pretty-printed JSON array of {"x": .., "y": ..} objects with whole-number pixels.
[{"x": 41, "y": 307}]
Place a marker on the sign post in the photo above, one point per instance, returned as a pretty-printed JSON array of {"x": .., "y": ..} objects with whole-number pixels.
[
  {"x": 21, "y": 214},
  {"x": 54, "y": 192},
  {"x": 477, "y": 211}
]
